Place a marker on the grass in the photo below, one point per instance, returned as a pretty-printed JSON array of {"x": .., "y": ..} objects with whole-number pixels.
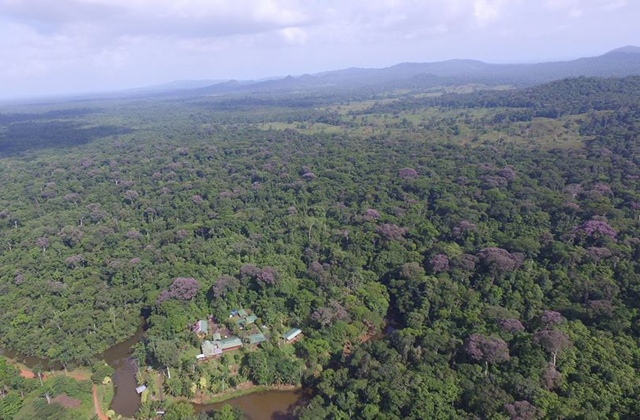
[
  {"x": 105, "y": 395},
  {"x": 233, "y": 393},
  {"x": 28, "y": 411},
  {"x": 304, "y": 128}
]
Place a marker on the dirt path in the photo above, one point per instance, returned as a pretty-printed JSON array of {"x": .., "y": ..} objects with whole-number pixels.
[
  {"x": 96, "y": 404},
  {"x": 25, "y": 373}
]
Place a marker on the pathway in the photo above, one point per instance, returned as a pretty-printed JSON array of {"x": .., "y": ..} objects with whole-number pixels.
[{"x": 96, "y": 404}]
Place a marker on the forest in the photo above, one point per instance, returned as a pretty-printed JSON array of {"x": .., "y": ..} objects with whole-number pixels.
[{"x": 456, "y": 253}]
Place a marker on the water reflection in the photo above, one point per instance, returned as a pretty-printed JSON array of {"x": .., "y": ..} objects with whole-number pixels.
[{"x": 268, "y": 405}]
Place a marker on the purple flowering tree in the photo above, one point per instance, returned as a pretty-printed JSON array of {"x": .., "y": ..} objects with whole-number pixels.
[
  {"x": 408, "y": 173},
  {"x": 267, "y": 276},
  {"x": 439, "y": 263},
  {"x": 225, "y": 284},
  {"x": 70, "y": 235},
  {"x": 75, "y": 261},
  {"x": 371, "y": 214},
  {"x": 498, "y": 260},
  {"x": 521, "y": 410},
  {"x": 130, "y": 196},
  {"x": 42, "y": 243},
  {"x": 597, "y": 253},
  {"x": 549, "y": 318},
  {"x": 596, "y": 228},
  {"x": 391, "y": 232},
  {"x": 551, "y": 378},
  {"x": 553, "y": 341},
  {"x": 325, "y": 315},
  {"x": 489, "y": 350},
  {"x": 182, "y": 288},
  {"x": 463, "y": 227},
  {"x": 511, "y": 325},
  {"x": 181, "y": 234},
  {"x": 249, "y": 270},
  {"x": 133, "y": 234},
  {"x": 507, "y": 173}
]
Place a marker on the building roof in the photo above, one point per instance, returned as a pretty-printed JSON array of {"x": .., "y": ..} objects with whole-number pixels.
[
  {"x": 217, "y": 336},
  {"x": 242, "y": 313},
  {"x": 203, "y": 326},
  {"x": 247, "y": 320},
  {"x": 140, "y": 389},
  {"x": 228, "y": 343},
  {"x": 208, "y": 348},
  {"x": 292, "y": 333},
  {"x": 256, "y": 338}
]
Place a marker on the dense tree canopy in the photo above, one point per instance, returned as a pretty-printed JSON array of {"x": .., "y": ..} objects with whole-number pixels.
[{"x": 505, "y": 272}]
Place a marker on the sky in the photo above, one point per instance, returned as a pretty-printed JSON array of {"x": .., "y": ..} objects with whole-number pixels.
[{"x": 53, "y": 47}]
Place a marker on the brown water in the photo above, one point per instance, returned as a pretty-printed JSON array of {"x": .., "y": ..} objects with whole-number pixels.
[
  {"x": 30, "y": 361},
  {"x": 268, "y": 405},
  {"x": 125, "y": 400}
]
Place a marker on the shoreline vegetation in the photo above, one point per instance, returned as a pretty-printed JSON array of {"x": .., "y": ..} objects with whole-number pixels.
[{"x": 242, "y": 390}]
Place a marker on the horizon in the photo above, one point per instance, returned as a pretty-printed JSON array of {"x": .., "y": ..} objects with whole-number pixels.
[
  {"x": 78, "y": 47},
  {"x": 150, "y": 87}
]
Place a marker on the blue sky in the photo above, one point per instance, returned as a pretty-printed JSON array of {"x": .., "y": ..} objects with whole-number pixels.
[{"x": 70, "y": 46}]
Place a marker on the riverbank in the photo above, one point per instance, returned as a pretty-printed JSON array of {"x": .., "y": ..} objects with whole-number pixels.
[
  {"x": 80, "y": 374},
  {"x": 242, "y": 390},
  {"x": 259, "y": 402}
]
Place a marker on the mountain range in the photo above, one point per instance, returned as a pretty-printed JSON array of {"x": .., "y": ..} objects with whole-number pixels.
[{"x": 616, "y": 63}]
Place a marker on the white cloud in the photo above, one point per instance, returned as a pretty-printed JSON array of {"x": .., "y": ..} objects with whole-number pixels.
[
  {"x": 76, "y": 44},
  {"x": 294, "y": 36}
]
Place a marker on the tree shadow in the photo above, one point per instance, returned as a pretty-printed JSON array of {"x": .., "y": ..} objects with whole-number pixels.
[{"x": 19, "y": 137}]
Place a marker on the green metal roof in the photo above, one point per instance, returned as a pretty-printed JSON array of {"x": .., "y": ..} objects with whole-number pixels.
[
  {"x": 208, "y": 348},
  {"x": 242, "y": 313},
  {"x": 251, "y": 319},
  {"x": 203, "y": 326},
  {"x": 256, "y": 338},
  {"x": 228, "y": 343},
  {"x": 292, "y": 333}
]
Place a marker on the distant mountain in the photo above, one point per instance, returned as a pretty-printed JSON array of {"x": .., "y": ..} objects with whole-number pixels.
[
  {"x": 629, "y": 49},
  {"x": 176, "y": 85},
  {"x": 620, "y": 62}
]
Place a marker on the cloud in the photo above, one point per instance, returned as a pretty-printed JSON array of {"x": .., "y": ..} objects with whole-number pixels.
[
  {"x": 294, "y": 36},
  {"x": 65, "y": 45},
  {"x": 186, "y": 18}
]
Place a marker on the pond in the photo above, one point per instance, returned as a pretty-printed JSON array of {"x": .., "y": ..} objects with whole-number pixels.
[
  {"x": 125, "y": 400},
  {"x": 268, "y": 405},
  {"x": 30, "y": 361}
]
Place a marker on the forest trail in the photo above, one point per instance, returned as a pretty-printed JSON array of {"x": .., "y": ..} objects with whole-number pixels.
[{"x": 96, "y": 404}]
